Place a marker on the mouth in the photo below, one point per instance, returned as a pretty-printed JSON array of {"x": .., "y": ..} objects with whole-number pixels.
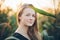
[{"x": 31, "y": 22}]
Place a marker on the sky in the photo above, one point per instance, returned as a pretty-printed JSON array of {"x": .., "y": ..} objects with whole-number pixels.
[{"x": 37, "y": 3}]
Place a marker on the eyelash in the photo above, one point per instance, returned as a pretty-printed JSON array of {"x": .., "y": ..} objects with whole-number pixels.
[
  {"x": 33, "y": 15},
  {"x": 29, "y": 15}
]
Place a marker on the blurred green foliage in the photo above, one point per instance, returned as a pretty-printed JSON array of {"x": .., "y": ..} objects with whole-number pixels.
[{"x": 7, "y": 27}]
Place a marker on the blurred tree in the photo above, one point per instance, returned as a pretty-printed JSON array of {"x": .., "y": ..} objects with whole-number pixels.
[
  {"x": 13, "y": 22},
  {"x": 3, "y": 18},
  {"x": 5, "y": 27}
]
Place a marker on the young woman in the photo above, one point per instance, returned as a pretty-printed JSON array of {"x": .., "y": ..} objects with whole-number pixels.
[{"x": 27, "y": 25}]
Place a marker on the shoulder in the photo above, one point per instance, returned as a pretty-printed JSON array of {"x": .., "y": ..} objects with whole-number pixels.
[
  {"x": 11, "y": 38},
  {"x": 16, "y": 36}
]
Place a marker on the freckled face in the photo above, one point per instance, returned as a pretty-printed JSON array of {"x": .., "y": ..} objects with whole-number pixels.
[{"x": 28, "y": 17}]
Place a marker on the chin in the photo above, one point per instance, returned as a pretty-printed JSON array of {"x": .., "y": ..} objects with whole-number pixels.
[{"x": 29, "y": 24}]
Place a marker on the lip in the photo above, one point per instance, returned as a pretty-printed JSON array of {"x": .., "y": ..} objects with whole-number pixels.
[{"x": 30, "y": 22}]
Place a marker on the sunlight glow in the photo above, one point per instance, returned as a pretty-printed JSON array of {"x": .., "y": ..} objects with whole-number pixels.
[
  {"x": 12, "y": 4},
  {"x": 37, "y": 3}
]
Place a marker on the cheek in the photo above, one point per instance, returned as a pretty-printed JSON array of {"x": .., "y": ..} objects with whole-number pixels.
[
  {"x": 33, "y": 19},
  {"x": 24, "y": 20}
]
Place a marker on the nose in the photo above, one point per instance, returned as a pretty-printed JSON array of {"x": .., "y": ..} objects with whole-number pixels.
[{"x": 31, "y": 18}]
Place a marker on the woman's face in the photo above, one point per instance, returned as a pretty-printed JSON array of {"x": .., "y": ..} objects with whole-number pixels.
[{"x": 28, "y": 17}]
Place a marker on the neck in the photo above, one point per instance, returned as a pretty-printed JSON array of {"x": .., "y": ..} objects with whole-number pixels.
[{"x": 22, "y": 30}]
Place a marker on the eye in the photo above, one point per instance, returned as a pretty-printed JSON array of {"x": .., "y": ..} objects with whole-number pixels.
[
  {"x": 33, "y": 15},
  {"x": 27, "y": 14}
]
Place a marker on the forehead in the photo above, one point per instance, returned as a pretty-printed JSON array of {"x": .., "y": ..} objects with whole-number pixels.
[{"x": 29, "y": 10}]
